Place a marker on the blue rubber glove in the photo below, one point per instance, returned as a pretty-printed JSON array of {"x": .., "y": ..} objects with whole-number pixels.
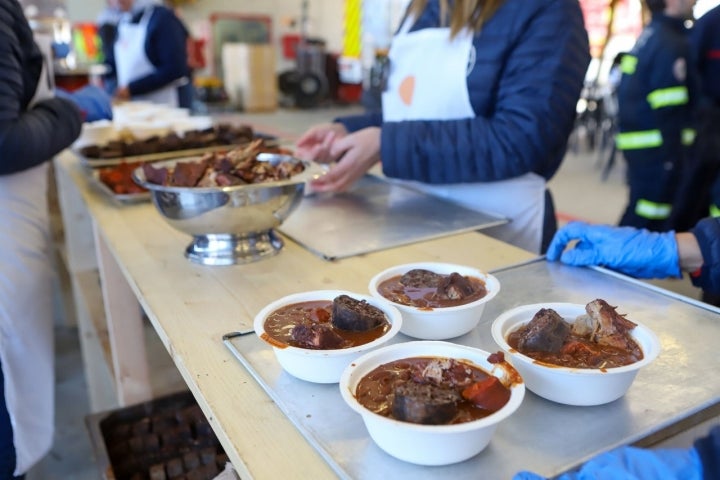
[
  {"x": 635, "y": 252},
  {"x": 92, "y": 101},
  {"x": 631, "y": 463}
]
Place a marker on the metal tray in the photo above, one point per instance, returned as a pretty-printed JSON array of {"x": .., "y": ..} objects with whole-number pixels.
[
  {"x": 679, "y": 389},
  {"x": 88, "y": 162},
  {"x": 377, "y": 214},
  {"x": 151, "y": 157},
  {"x": 121, "y": 198}
]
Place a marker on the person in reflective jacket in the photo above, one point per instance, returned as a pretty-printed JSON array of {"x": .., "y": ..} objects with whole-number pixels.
[
  {"x": 655, "y": 114},
  {"x": 645, "y": 254}
]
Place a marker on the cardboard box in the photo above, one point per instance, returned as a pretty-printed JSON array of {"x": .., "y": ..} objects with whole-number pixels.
[{"x": 249, "y": 76}]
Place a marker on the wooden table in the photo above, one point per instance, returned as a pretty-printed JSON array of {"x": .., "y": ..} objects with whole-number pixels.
[{"x": 140, "y": 261}]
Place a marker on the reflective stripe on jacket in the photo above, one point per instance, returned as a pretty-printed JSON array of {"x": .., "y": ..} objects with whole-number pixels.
[{"x": 656, "y": 92}]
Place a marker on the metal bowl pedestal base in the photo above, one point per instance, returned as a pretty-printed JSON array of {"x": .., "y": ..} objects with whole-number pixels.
[{"x": 228, "y": 249}]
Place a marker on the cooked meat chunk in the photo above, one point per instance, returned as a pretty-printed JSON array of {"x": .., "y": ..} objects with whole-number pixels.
[
  {"x": 424, "y": 403},
  {"x": 188, "y": 174},
  {"x": 226, "y": 180},
  {"x": 155, "y": 175},
  {"x": 421, "y": 278},
  {"x": 317, "y": 337},
  {"x": 546, "y": 332},
  {"x": 355, "y": 315},
  {"x": 444, "y": 372},
  {"x": 612, "y": 328},
  {"x": 455, "y": 287}
]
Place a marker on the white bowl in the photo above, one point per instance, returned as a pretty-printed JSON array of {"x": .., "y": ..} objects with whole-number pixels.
[
  {"x": 322, "y": 366},
  {"x": 439, "y": 323},
  {"x": 430, "y": 444},
  {"x": 571, "y": 386}
]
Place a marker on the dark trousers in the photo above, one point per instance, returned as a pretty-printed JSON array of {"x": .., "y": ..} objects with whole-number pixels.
[
  {"x": 549, "y": 223},
  {"x": 650, "y": 179},
  {"x": 700, "y": 183},
  {"x": 7, "y": 448}
]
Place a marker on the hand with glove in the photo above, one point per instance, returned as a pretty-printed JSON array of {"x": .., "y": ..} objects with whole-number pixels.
[
  {"x": 92, "y": 101},
  {"x": 635, "y": 464},
  {"x": 635, "y": 252}
]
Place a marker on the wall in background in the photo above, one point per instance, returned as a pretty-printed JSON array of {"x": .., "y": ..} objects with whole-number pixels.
[{"x": 325, "y": 17}]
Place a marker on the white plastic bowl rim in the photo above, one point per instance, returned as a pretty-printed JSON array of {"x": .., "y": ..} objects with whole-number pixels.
[
  {"x": 428, "y": 348},
  {"x": 390, "y": 311},
  {"x": 570, "y": 311},
  {"x": 492, "y": 285}
]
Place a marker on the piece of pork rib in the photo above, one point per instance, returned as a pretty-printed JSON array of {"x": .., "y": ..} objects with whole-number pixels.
[
  {"x": 454, "y": 287},
  {"x": 611, "y": 328}
]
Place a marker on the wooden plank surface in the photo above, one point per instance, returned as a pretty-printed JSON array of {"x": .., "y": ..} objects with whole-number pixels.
[{"x": 192, "y": 306}]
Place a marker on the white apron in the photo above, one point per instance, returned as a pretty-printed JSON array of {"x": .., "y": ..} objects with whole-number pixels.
[
  {"x": 428, "y": 81},
  {"x": 26, "y": 303},
  {"x": 131, "y": 61}
]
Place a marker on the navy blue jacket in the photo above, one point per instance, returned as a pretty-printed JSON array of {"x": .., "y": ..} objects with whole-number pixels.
[
  {"x": 708, "y": 448},
  {"x": 28, "y": 137},
  {"x": 165, "y": 47},
  {"x": 662, "y": 53},
  {"x": 707, "y": 232},
  {"x": 531, "y": 60},
  {"x": 705, "y": 42}
]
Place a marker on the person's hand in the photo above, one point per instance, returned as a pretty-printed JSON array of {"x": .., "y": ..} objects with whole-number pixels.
[
  {"x": 92, "y": 101},
  {"x": 315, "y": 144},
  {"x": 122, "y": 93},
  {"x": 635, "y": 252},
  {"x": 359, "y": 151},
  {"x": 636, "y": 464}
]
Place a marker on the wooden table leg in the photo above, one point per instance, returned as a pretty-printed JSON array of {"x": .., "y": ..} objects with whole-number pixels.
[{"x": 125, "y": 329}]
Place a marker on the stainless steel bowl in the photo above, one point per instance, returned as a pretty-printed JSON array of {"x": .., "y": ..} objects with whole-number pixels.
[{"x": 230, "y": 225}]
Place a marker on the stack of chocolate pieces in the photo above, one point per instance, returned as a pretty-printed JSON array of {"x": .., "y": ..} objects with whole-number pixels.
[{"x": 168, "y": 439}]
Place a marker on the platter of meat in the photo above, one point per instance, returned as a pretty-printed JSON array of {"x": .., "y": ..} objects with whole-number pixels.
[
  {"x": 116, "y": 182},
  {"x": 128, "y": 148}
]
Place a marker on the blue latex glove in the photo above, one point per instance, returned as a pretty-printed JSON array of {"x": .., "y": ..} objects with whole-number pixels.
[
  {"x": 92, "y": 101},
  {"x": 635, "y": 252},
  {"x": 630, "y": 463}
]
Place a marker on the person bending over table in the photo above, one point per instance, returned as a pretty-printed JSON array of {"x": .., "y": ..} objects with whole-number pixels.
[
  {"x": 479, "y": 104},
  {"x": 35, "y": 125},
  {"x": 149, "y": 59}
]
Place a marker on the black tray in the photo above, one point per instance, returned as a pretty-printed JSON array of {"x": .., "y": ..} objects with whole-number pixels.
[{"x": 169, "y": 433}]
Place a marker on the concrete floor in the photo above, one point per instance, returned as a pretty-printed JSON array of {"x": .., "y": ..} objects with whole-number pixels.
[{"x": 579, "y": 193}]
